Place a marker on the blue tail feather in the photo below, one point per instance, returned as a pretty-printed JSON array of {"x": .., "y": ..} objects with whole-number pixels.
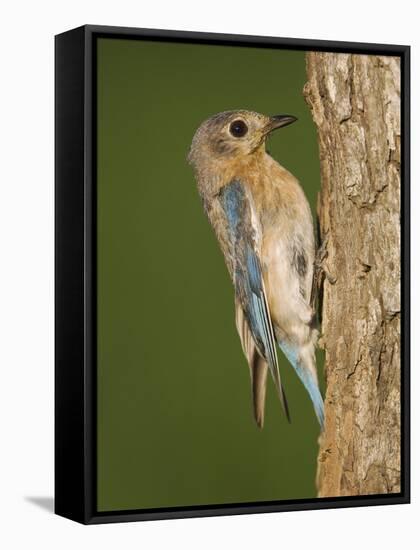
[{"x": 307, "y": 379}]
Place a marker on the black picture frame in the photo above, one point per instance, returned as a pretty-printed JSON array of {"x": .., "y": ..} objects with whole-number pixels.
[{"x": 75, "y": 273}]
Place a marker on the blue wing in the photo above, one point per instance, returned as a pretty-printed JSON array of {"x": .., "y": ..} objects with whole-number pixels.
[{"x": 248, "y": 280}]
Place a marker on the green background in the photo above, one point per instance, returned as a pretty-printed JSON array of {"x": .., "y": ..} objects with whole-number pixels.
[{"x": 175, "y": 424}]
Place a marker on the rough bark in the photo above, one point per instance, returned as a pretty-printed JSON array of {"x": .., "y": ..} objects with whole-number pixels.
[{"x": 355, "y": 103}]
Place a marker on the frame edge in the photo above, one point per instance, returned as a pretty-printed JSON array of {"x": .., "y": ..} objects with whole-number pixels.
[{"x": 69, "y": 429}]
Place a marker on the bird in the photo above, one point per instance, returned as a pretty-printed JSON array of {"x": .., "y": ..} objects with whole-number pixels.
[{"x": 264, "y": 226}]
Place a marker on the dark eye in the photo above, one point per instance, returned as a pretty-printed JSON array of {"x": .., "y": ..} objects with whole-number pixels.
[{"x": 238, "y": 128}]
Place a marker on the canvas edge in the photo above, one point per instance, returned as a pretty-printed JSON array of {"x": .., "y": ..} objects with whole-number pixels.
[{"x": 70, "y": 337}]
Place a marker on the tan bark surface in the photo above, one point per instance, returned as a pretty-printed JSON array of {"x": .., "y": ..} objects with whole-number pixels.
[{"x": 355, "y": 103}]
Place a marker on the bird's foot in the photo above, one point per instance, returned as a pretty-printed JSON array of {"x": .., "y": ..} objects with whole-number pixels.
[
  {"x": 320, "y": 264},
  {"x": 321, "y": 270}
]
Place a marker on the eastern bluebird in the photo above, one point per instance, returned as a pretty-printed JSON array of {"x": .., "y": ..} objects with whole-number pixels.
[{"x": 264, "y": 226}]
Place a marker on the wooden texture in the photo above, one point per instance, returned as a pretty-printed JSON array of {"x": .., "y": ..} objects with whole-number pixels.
[{"x": 355, "y": 103}]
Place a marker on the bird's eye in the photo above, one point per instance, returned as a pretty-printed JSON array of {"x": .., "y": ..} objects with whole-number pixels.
[{"x": 238, "y": 128}]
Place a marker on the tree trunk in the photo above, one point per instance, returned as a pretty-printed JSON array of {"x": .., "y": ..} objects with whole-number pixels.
[{"x": 355, "y": 103}]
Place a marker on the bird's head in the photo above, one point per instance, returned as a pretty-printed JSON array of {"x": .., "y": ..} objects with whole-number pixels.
[{"x": 233, "y": 134}]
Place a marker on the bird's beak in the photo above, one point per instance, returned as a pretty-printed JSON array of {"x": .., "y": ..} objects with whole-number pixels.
[{"x": 278, "y": 121}]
